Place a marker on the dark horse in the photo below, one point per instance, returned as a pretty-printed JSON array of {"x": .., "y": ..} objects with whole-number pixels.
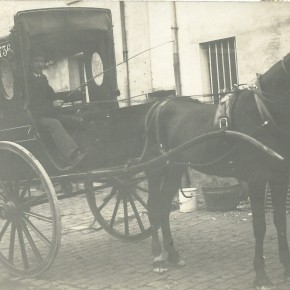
[{"x": 262, "y": 112}]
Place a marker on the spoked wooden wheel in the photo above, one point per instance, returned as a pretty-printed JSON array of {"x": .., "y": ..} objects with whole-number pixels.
[
  {"x": 30, "y": 226},
  {"x": 120, "y": 206}
]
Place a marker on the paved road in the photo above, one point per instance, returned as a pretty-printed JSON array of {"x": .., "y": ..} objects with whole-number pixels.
[{"x": 218, "y": 249}]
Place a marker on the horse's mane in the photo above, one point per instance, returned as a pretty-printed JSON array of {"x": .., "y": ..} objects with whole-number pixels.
[
  {"x": 181, "y": 98},
  {"x": 189, "y": 99}
]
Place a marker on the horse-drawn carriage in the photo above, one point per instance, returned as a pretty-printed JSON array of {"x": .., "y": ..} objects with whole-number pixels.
[
  {"x": 132, "y": 151},
  {"x": 80, "y": 65}
]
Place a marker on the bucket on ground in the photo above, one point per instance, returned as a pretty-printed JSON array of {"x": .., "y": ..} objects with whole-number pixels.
[
  {"x": 221, "y": 197},
  {"x": 188, "y": 199}
]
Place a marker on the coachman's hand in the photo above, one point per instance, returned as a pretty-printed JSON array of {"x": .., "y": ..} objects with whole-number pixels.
[{"x": 58, "y": 103}]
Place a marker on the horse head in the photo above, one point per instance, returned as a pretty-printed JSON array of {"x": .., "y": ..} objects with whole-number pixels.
[
  {"x": 275, "y": 83},
  {"x": 274, "y": 88}
]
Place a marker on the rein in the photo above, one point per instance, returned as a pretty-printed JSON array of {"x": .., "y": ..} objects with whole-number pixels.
[{"x": 153, "y": 115}]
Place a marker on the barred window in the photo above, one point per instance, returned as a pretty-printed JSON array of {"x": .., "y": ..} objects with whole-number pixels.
[{"x": 220, "y": 61}]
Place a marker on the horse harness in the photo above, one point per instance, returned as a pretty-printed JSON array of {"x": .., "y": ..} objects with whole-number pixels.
[
  {"x": 223, "y": 115},
  {"x": 264, "y": 112},
  {"x": 222, "y": 120}
]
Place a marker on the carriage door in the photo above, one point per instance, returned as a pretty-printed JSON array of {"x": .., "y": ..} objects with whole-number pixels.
[{"x": 219, "y": 67}]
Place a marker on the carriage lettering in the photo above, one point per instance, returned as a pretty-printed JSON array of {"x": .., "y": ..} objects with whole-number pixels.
[{"x": 5, "y": 50}]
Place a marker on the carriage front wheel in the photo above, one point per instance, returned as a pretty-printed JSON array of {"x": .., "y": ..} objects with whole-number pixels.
[
  {"x": 119, "y": 204},
  {"x": 30, "y": 226}
]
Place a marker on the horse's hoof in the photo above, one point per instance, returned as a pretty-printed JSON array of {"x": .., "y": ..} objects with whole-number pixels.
[
  {"x": 159, "y": 267},
  {"x": 178, "y": 262},
  {"x": 160, "y": 270},
  {"x": 265, "y": 284},
  {"x": 181, "y": 263}
]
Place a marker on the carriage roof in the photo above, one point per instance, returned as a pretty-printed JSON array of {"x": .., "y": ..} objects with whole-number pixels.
[
  {"x": 62, "y": 30},
  {"x": 51, "y": 19},
  {"x": 60, "y": 33}
]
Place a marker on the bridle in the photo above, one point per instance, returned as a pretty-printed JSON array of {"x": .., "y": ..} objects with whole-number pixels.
[
  {"x": 261, "y": 100},
  {"x": 257, "y": 89}
]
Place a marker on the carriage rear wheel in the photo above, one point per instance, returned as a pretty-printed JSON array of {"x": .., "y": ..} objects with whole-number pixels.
[
  {"x": 120, "y": 206},
  {"x": 30, "y": 226}
]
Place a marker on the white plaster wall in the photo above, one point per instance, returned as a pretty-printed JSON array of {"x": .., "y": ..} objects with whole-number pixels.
[
  {"x": 10, "y": 8},
  {"x": 138, "y": 41},
  {"x": 257, "y": 52},
  {"x": 159, "y": 14},
  {"x": 261, "y": 31}
]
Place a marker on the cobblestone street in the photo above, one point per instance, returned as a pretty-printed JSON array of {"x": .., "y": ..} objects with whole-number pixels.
[{"x": 217, "y": 247}]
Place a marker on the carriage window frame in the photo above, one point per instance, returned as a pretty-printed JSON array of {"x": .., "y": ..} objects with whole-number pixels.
[
  {"x": 77, "y": 74},
  {"x": 219, "y": 67},
  {"x": 97, "y": 68},
  {"x": 7, "y": 84}
]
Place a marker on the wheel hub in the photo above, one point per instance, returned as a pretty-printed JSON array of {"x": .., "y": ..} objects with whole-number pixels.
[{"x": 8, "y": 210}]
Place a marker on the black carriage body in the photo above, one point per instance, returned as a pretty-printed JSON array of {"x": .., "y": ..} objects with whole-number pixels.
[{"x": 77, "y": 41}]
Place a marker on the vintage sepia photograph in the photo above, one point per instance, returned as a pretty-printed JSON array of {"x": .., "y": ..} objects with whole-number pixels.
[{"x": 144, "y": 145}]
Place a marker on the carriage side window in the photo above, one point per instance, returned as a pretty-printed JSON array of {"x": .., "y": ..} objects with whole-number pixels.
[
  {"x": 219, "y": 66},
  {"x": 56, "y": 72},
  {"x": 83, "y": 69},
  {"x": 6, "y": 80},
  {"x": 77, "y": 74},
  {"x": 67, "y": 75},
  {"x": 73, "y": 72},
  {"x": 97, "y": 68}
]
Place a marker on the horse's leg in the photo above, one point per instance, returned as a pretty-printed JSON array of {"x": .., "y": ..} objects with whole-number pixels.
[
  {"x": 279, "y": 189},
  {"x": 170, "y": 186},
  {"x": 153, "y": 205},
  {"x": 257, "y": 197}
]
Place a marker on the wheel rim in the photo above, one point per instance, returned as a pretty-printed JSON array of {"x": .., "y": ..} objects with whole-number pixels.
[
  {"x": 29, "y": 215},
  {"x": 121, "y": 207}
]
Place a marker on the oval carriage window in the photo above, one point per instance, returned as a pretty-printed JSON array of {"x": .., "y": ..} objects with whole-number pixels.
[
  {"x": 97, "y": 68},
  {"x": 7, "y": 79}
]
